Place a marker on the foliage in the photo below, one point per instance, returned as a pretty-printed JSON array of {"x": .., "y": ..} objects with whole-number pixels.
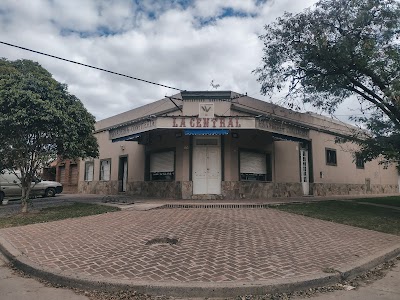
[
  {"x": 338, "y": 49},
  {"x": 75, "y": 210},
  {"x": 39, "y": 119},
  {"x": 350, "y": 213}
]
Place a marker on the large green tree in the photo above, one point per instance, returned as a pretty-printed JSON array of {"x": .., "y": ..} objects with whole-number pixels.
[
  {"x": 338, "y": 49},
  {"x": 39, "y": 120}
]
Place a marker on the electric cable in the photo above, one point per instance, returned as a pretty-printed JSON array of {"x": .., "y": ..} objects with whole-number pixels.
[{"x": 89, "y": 66}]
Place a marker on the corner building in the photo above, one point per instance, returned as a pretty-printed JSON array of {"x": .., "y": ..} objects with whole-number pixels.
[{"x": 223, "y": 145}]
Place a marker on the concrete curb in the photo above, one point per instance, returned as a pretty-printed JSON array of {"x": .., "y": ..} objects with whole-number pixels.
[{"x": 193, "y": 289}]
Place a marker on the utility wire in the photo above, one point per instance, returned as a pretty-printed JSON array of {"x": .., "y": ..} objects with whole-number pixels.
[{"x": 89, "y": 66}]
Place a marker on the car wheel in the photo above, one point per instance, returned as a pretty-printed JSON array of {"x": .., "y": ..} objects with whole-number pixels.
[{"x": 50, "y": 192}]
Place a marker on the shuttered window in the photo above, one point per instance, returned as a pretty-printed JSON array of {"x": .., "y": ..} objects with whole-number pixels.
[
  {"x": 89, "y": 168},
  {"x": 105, "y": 169},
  {"x": 253, "y": 166},
  {"x": 162, "y": 165}
]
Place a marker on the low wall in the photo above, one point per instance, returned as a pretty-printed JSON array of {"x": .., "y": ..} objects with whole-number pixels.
[
  {"x": 232, "y": 190},
  {"x": 330, "y": 189},
  {"x": 259, "y": 190},
  {"x": 98, "y": 187},
  {"x": 151, "y": 189}
]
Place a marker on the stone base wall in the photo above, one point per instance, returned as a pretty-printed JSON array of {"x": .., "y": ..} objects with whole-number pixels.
[
  {"x": 155, "y": 189},
  {"x": 259, "y": 190},
  {"x": 70, "y": 189},
  {"x": 147, "y": 189},
  {"x": 98, "y": 187},
  {"x": 232, "y": 190},
  {"x": 330, "y": 189}
]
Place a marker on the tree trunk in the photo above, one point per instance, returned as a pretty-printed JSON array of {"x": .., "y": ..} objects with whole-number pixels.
[{"x": 25, "y": 197}]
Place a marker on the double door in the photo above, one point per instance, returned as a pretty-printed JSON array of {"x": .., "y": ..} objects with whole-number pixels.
[{"x": 207, "y": 165}]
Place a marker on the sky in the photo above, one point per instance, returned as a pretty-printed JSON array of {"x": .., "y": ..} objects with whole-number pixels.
[{"x": 186, "y": 44}]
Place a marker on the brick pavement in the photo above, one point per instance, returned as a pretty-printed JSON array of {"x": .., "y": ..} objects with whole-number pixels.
[{"x": 215, "y": 245}]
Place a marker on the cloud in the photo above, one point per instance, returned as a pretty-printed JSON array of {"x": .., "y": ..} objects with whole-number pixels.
[{"x": 181, "y": 43}]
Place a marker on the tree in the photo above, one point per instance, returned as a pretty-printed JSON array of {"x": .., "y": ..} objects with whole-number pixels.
[
  {"x": 39, "y": 120},
  {"x": 337, "y": 49}
]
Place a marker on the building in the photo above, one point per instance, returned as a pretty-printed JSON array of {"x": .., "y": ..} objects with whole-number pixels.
[
  {"x": 223, "y": 145},
  {"x": 67, "y": 173}
]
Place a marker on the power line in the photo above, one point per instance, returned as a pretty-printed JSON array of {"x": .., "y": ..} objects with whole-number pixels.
[{"x": 89, "y": 66}]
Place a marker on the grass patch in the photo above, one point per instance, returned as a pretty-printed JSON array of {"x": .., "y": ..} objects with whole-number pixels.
[
  {"x": 350, "y": 213},
  {"x": 392, "y": 201},
  {"x": 48, "y": 214}
]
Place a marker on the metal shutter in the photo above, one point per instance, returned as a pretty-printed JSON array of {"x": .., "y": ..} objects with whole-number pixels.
[
  {"x": 162, "y": 162},
  {"x": 253, "y": 162}
]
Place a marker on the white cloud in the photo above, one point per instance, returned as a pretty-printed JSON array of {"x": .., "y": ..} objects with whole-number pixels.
[{"x": 182, "y": 45}]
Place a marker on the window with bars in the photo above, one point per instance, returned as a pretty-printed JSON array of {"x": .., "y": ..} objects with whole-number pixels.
[
  {"x": 89, "y": 169},
  {"x": 359, "y": 161},
  {"x": 331, "y": 158},
  {"x": 105, "y": 169}
]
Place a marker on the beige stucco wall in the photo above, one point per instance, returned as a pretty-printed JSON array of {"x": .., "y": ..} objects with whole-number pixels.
[
  {"x": 191, "y": 108},
  {"x": 286, "y": 160},
  {"x": 346, "y": 170},
  {"x": 107, "y": 149}
]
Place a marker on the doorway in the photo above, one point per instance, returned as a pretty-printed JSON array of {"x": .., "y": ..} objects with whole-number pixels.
[
  {"x": 207, "y": 165},
  {"x": 305, "y": 176},
  {"x": 123, "y": 173}
]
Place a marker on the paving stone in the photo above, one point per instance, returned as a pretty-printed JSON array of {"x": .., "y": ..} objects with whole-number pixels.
[{"x": 214, "y": 245}]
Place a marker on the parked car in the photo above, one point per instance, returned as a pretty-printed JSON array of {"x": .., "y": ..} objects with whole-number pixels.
[{"x": 10, "y": 186}]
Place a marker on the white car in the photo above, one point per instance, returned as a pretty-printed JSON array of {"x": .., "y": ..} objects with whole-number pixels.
[{"x": 10, "y": 186}]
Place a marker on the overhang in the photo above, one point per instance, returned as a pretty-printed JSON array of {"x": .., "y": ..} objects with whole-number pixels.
[{"x": 218, "y": 125}]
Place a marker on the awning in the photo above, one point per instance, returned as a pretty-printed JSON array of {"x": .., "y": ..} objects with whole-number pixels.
[
  {"x": 281, "y": 137},
  {"x": 132, "y": 137},
  {"x": 206, "y": 131}
]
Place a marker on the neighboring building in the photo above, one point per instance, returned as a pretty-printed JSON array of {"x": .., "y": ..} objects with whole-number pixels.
[
  {"x": 67, "y": 173},
  {"x": 223, "y": 145},
  {"x": 49, "y": 172}
]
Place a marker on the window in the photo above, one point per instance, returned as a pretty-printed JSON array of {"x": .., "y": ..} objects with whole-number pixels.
[
  {"x": 254, "y": 166},
  {"x": 359, "y": 161},
  {"x": 162, "y": 166},
  {"x": 89, "y": 168},
  {"x": 105, "y": 169},
  {"x": 331, "y": 157}
]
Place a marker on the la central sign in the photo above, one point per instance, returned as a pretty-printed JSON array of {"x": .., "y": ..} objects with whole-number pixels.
[
  {"x": 195, "y": 122},
  {"x": 228, "y": 122}
]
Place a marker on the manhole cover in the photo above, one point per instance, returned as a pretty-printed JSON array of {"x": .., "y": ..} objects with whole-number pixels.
[{"x": 163, "y": 240}]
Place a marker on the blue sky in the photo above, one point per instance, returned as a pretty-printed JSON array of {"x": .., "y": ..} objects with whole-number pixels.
[{"x": 181, "y": 43}]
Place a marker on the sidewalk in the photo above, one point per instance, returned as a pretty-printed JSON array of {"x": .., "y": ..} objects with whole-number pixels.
[
  {"x": 387, "y": 288},
  {"x": 14, "y": 287}
]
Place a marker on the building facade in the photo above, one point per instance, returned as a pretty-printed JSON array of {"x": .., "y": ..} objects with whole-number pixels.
[
  {"x": 223, "y": 145},
  {"x": 67, "y": 173}
]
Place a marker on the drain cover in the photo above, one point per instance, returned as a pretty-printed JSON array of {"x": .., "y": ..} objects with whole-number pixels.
[{"x": 163, "y": 240}]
